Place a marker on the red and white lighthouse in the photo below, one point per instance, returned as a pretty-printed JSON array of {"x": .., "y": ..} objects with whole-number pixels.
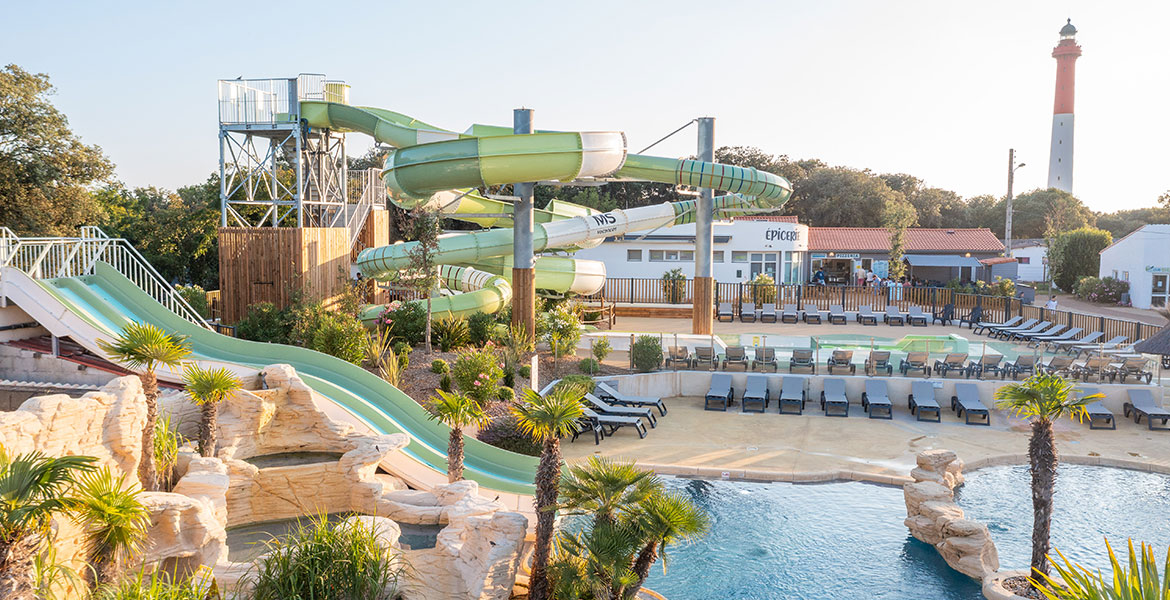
[{"x": 1060, "y": 158}]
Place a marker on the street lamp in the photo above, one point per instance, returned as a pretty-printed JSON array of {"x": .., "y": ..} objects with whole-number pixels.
[{"x": 1007, "y": 228}]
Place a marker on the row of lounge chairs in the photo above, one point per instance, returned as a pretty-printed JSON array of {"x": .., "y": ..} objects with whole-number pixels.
[
  {"x": 766, "y": 313},
  {"x": 1053, "y": 336},
  {"x": 608, "y": 410}
]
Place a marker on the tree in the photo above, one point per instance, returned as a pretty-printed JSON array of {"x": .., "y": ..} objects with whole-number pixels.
[
  {"x": 1124, "y": 222},
  {"x": 1039, "y": 213},
  {"x": 33, "y": 488},
  {"x": 114, "y": 521},
  {"x": 1140, "y": 581},
  {"x": 1042, "y": 399},
  {"x": 45, "y": 170},
  {"x": 457, "y": 411},
  {"x": 896, "y": 217},
  {"x": 546, "y": 419},
  {"x": 143, "y": 347},
  {"x": 422, "y": 275},
  {"x": 986, "y": 211},
  {"x": 601, "y": 486},
  {"x": 209, "y": 387},
  {"x": 1076, "y": 254},
  {"x": 841, "y": 197}
]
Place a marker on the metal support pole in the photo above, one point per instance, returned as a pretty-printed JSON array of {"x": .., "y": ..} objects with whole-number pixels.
[
  {"x": 523, "y": 277},
  {"x": 223, "y": 199},
  {"x": 704, "y": 301}
]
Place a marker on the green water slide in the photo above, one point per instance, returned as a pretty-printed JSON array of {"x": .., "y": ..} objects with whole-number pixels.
[
  {"x": 441, "y": 169},
  {"x": 107, "y": 300}
]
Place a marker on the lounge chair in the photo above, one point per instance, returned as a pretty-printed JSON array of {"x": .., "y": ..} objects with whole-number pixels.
[
  {"x": 837, "y": 315},
  {"x": 966, "y": 401},
  {"x": 756, "y": 391},
  {"x": 792, "y": 394},
  {"x": 735, "y": 356},
  {"x": 985, "y": 326},
  {"x": 915, "y": 361},
  {"x": 1028, "y": 337},
  {"x": 768, "y": 313},
  {"x": 1133, "y": 367},
  {"x": 876, "y": 400},
  {"x": 842, "y": 359},
  {"x": 1058, "y": 364},
  {"x": 613, "y": 422},
  {"x": 606, "y": 408},
  {"x": 1068, "y": 344},
  {"x": 893, "y": 315},
  {"x": 915, "y": 315},
  {"x": 945, "y": 316},
  {"x": 790, "y": 314},
  {"x": 802, "y": 359},
  {"x": 589, "y": 424},
  {"x": 878, "y": 360},
  {"x": 988, "y": 363},
  {"x": 865, "y": 315},
  {"x": 1017, "y": 334},
  {"x": 974, "y": 317},
  {"x": 1089, "y": 348},
  {"x": 1049, "y": 339},
  {"x": 921, "y": 400},
  {"x": 1024, "y": 363},
  {"x": 765, "y": 358},
  {"x": 1095, "y": 366},
  {"x": 1096, "y": 411},
  {"x": 1141, "y": 404},
  {"x": 747, "y": 312},
  {"x": 610, "y": 394},
  {"x": 994, "y": 329},
  {"x": 720, "y": 392},
  {"x": 812, "y": 314},
  {"x": 833, "y": 397},
  {"x": 954, "y": 361},
  {"x": 1004, "y": 332},
  {"x": 705, "y": 357},
  {"x": 724, "y": 311},
  {"x": 678, "y": 356}
]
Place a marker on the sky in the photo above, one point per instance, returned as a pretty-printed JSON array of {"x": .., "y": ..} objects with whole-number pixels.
[{"x": 940, "y": 90}]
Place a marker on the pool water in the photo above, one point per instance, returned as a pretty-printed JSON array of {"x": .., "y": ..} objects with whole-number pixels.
[
  {"x": 247, "y": 542},
  {"x": 782, "y": 540},
  {"x": 1090, "y": 504}
]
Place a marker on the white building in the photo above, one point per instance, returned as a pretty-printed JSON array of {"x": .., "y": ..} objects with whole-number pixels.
[
  {"x": 1143, "y": 259},
  {"x": 1032, "y": 259}
]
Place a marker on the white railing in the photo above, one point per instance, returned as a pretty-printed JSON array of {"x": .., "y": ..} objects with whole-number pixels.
[
  {"x": 57, "y": 257},
  {"x": 373, "y": 193}
]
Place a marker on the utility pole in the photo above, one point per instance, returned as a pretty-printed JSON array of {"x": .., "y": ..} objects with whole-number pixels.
[
  {"x": 704, "y": 293},
  {"x": 523, "y": 276},
  {"x": 1007, "y": 226}
]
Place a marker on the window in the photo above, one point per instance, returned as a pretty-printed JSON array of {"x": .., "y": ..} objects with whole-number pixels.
[
  {"x": 1125, "y": 275},
  {"x": 672, "y": 256},
  {"x": 656, "y": 256},
  {"x": 791, "y": 271},
  {"x": 633, "y": 256},
  {"x": 737, "y": 256},
  {"x": 1115, "y": 273},
  {"x": 686, "y": 255},
  {"x": 717, "y": 256},
  {"x": 1024, "y": 260}
]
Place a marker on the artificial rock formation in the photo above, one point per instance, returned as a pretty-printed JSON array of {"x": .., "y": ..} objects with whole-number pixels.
[{"x": 933, "y": 517}]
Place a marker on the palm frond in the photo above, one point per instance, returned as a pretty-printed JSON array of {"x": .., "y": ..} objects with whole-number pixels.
[
  {"x": 1043, "y": 396},
  {"x": 602, "y": 486},
  {"x": 142, "y": 346},
  {"x": 457, "y": 410},
  {"x": 33, "y": 487},
  {"x": 114, "y": 520},
  {"x": 209, "y": 385},
  {"x": 551, "y": 416},
  {"x": 1139, "y": 580}
]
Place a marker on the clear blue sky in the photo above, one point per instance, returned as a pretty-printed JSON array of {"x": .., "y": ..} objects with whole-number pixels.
[{"x": 940, "y": 90}]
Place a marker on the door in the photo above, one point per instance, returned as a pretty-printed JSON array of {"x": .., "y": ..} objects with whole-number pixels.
[{"x": 1160, "y": 291}]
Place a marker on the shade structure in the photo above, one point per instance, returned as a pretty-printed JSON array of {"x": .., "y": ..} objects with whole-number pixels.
[{"x": 941, "y": 260}]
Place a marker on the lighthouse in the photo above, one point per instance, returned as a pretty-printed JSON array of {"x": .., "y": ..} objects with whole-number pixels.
[{"x": 1060, "y": 158}]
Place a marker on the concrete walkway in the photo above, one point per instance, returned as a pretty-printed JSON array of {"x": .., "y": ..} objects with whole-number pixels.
[{"x": 1067, "y": 302}]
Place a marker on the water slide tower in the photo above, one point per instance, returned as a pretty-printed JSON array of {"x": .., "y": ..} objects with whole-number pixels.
[
  {"x": 1060, "y": 157},
  {"x": 292, "y": 214}
]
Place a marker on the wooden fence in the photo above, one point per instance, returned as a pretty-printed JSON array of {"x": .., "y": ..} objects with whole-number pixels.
[{"x": 851, "y": 297}]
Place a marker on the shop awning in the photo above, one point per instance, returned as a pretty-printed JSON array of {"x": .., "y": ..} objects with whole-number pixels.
[{"x": 941, "y": 260}]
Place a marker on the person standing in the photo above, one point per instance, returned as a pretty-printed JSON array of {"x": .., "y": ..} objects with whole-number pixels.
[{"x": 1051, "y": 304}]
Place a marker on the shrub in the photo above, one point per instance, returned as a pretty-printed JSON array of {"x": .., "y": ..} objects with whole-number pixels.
[
  {"x": 502, "y": 432},
  {"x": 584, "y": 381},
  {"x": 319, "y": 559},
  {"x": 160, "y": 585},
  {"x": 263, "y": 322},
  {"x": 647, "y": 353},
  {"x": 588, "y": 365},
  {"x": 504, "y": 315},
  {"x": 480, "y": 327},
  {"x": 1075, "y": 254},
  {"x": 407, "y": 322},
  {"x": 601, "y": 349},
  {"x": 673, "y": 285},
  {"x": 525, "y": 371},
  {"x": 561, "y": 328},
  {"x": 167, "y": 440},
  {"x": 402, "y": 351},
  {"x": 445, "y": 383},
  {"x": 195, "y": 296},
  {"x": 328, "y": 332},
  {"x": 763, "y": 289},
  {"x": 509, "y": 380},
  {"x": 507, "y": 394},
  {"x": 477, "y": 373},
  {"x": 440, "y": 366},
  {"x": 1105, "y": 290},
  {"x": 450, "y": 333}
]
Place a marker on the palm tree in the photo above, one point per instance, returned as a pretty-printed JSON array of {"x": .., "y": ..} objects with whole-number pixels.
[
  {"x": 143, "y": 347},
  {"x": 33, "y": 487},
  {"x": 603, "y": 486},
  {"x": 666, "y": 518},
  {"x": 114, "y": 522},
  {"x": 456, "y": 411},
  {"x": 1139, "y": 582},
  {"x": 547, "y": 419},
  {"x": 209, "y": 387},
  {"x": 1043, "y": 399}
]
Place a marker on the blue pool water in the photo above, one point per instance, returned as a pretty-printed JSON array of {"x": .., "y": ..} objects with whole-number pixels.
[
  {"x": 826, "y": 541},
  {"x": 1090, "y": 503}
]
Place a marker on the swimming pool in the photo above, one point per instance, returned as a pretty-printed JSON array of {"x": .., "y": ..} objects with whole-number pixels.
[
  {"x": 1090, "y": 503},
  {"x": 782, "y": 540}
]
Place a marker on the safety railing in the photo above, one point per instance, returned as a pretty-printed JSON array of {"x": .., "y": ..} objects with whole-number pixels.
[
  {"x": 57, "y": 257},
  {"x": 372, "y": 193}
]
